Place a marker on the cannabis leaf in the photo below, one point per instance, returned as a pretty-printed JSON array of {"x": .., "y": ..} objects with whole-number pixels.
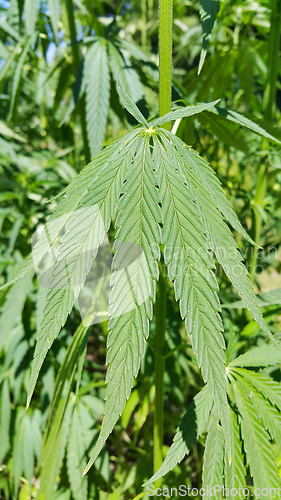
[
  {"x": 208, "y": 12},
  {"x": 265, "y": 355},
  {"x": 213, "y": 463},
  {"x": 131, "y": 106},
  {"x": 133, "y": 285},
  {"x": 256, "y": 441},
  {"x": 235, "y": 117},
  {"x": 163, "y": 193},
  {"x": 85, "y": 224},
  {"x": 123, "y": 71},
  {"x": 97, "y": 82},
  {"x": 219, "y": 235},
  {"x": 235, "y": 473},
  {"x": 269, "y": 388},
  {"x": 190, "y": 266}
]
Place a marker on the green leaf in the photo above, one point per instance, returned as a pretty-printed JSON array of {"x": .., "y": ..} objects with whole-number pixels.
[
  {"x": 208, "y": 180},
  {"x": 54, "y": 7},
  {"x": 270, "y": 389},
  {"x": 130, "y": 106},
  {"x": 235, "y": 473},
  {"x": 231, "y": 344},
  {"x": 137, "y": 53},
  {"x": 272, "y": 297},
  {"x": 245, "y": 122},
  {"x": 84, "y": 233},
  {"x": 97, "y": 84},
  {"x": 269, "y": 416},
  {"x": 200, "y": 177},
  {"x": 23, "y": 457},
  {"x": 9, "y": 61},
  {"x": 225, "y": 130},
  {"x": 266, "y": 355},
  {"x": 208, "y": 12},
  {"x": 24, "y": 271},
  {"x": 213, "y": 459},
  {"x": 123, "y": 71},
  {"x": 30, "y": 16},
  {"x": 133, "y": 286},
  {"x": 190, "y": 267},
  {"x": 192, "y": 426},
  {"x": 51, "y": 468},
  {"x": 5, "y": 26},
  {"x": 8, "y": 132},
  {"x": 76, "y": 458},
  {"x": 184, "y": 112},
  {"x": 18, "y": 71},
  {"x": 256, "y": 441},
  {"x": 13, "y": 307},
  {"x": 69, "y": 201},
  {"x": 64, "y": 381}
]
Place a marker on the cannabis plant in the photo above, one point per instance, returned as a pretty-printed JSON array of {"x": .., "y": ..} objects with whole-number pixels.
[{"x": 169, "y": 211}]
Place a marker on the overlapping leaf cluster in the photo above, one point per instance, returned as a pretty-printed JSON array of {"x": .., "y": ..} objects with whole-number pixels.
[
  {"x": 254, "y": 420},
  {"x": 163, "y": 193}
]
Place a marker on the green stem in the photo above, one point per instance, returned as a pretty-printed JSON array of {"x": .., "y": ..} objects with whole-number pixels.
[
  {"x": 69, "y": 24},
  {"x": 269, "y": 102},
  {"x": 165, "y": 56},
  {"x": 158, "y": 430},
  {"x": 165, "y": 101}
]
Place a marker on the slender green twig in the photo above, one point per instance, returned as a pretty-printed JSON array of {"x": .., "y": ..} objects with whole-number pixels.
[
  {"x": 158, "y": 431},
  {"x": 165, "y": 57}
]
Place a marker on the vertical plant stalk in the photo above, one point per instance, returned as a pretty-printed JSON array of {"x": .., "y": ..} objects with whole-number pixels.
[
  {"x": 165, "y": 101},
  {"x": 68, "y": 14},
  {"x": 165, "y": 57},
  {"x": 158, "y": 429},
  {"x": 269, "y": 101}
]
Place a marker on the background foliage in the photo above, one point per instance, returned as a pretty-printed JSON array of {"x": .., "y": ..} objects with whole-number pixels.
[{"x": 59, "y": 64}]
